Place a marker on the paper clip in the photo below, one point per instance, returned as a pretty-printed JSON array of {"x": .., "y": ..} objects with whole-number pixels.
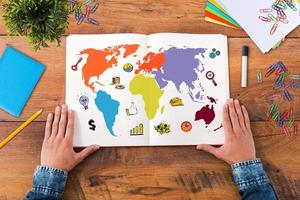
[
  {"x": 278, "y": 86},
  {"x": 287, "y": 95},
  {"x": 291, "y": 122},
  {"x": 274, "y": 28},
  {"x": 281, "y": 65},
  {"x": 87, "y": 11},
  {"x": 273, "y": 108},
  {"x": 94, "y": 8},
  {"x": 280, "y": 122},
  {"x": 73, "y": 1},
  {"x": 291, "y": 5},
  {"x": 283, "y": 20},
  {"x": 283, "y": 75},
  {"x": 286, "y": 131},
  {"x": 276, "y": 115},
  {"x": 73, "y": 5},
  {"x": 274, "y": 96},
  {"x": 265, "y": 10},
  {"x": 295, "y": 85},
  {"x": 281, "y": 13},
  {"x": 78, "y": 8},
  {"x": 291, "y": 112},
  {"x": 259, "y": 76},
  {"x": 288, "y": 84},
  {"x": 270, "y": 70},
  {"x": 284, "y": 115},
  {"x": 282, "y": 5},
  {"x": 265, "y": 19},
  {"x": 87, "y": 2},
  {"x": 92, "y": 21},
  {"x": 294, "y": 76},
  {"x": 80, "y": 19},
  {"x": 77, "y": 16},
  {"x": 276, "y": 7},
  {"x": 272, "y": 17},
  {"x": 295, "y": 129}
]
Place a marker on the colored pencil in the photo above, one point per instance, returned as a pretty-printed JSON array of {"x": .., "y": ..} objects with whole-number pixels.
[{"x": 20, "y": 128}]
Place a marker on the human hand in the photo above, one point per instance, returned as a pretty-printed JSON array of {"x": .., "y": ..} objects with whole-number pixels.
[
  {"x": 239, "y": 145},
  {"x": 57, "y": 150}
]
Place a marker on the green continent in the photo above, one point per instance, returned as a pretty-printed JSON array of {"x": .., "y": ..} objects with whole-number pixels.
[{"x": 150, "y": 91}]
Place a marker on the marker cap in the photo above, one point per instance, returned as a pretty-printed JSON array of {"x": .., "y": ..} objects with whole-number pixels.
[{"x": 245, "y": 50}]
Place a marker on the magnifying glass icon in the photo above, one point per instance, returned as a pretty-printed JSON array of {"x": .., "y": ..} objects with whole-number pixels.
[{"x": 210, "y": 76}]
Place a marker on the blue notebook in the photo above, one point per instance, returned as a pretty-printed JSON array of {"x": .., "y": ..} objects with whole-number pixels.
[{"x": 19, "y": 75}]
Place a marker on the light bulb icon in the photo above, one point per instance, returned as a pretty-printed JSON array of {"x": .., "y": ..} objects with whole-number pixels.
[{"x": 84, "y": 101}]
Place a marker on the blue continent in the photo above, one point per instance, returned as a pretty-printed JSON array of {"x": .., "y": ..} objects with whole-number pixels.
[{"x": 109, "y": 108}]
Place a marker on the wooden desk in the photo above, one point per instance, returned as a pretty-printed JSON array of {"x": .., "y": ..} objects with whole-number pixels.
[{"x": 180, "y": 173}]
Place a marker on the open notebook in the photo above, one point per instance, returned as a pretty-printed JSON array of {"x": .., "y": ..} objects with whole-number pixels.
[{"x": 139, "y": 90}]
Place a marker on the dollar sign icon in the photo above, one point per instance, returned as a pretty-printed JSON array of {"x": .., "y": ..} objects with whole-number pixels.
[{"x": 92, "y": 125}]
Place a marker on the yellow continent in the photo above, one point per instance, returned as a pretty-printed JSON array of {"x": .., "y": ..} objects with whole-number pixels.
[{"x": 150, "y": 91}]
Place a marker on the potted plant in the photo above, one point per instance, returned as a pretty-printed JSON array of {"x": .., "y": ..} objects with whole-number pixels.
[{"x": 41, "y": 21}]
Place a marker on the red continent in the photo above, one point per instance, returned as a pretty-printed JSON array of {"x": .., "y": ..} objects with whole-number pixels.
[{"x": 206, "y": 113}]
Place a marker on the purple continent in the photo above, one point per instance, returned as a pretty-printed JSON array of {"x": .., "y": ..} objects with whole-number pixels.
[{"x": 180, "y": 67}]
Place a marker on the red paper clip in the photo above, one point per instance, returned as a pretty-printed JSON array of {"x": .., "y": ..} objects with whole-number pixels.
[
  {"x": 291, "y": 112},
  {"x": 296, "y": 129},
  {"x": 284, "y": 115},
  {"x": 265, "y": 19},
  {"x": 273, "y": 29},
  {"x": 286, "y": 130},
  {"x": 285, "y": 21}
]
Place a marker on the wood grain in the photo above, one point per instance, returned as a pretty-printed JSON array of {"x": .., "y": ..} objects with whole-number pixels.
[
  {"x": 138, "y": 173},
  {"x": 151, "y": 16},
  {"x": 170, "y": 173}
]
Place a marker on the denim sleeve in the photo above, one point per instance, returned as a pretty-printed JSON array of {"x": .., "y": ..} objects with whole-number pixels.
[
  {"x": 252, "y": 181},
  {"x": 48, "y": 183}
]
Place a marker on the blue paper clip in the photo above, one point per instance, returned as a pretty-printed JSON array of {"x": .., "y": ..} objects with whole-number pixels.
[
  {"x": 87, "y": 2},
  {"x": 81, "y": 18}
]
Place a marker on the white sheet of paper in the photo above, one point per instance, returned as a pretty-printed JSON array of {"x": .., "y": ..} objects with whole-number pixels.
[{"x": 247, "y": 13}]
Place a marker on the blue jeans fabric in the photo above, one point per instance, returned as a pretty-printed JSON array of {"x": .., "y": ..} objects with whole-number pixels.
[
  {"x": 249, "y": 176},
  {"x": 252, "y": 181}
]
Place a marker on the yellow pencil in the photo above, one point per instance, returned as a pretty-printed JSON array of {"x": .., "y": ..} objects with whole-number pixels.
[{"x": 20, "y": 128}]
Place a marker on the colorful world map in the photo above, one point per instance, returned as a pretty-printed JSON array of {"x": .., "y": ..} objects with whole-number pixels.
[{"x": 153, "y": 73}]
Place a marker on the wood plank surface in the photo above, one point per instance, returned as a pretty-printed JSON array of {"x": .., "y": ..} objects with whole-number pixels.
[
  {"x": 151, "y": 16},
  {"x": 138, "y": 173},
  {"x": 178, "y": 173}
]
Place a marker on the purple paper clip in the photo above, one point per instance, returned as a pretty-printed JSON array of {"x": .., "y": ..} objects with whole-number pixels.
[
  {"x": 295, "y": 85},
  {"x": 281, "y": 65},
  {"x": 278, "y": 86},
  {"x": 92, "y": 21},
  {"x": 280, "y": 122},
  {"x": 287, "y": 95},
  {"x": 94, "y": 8}
]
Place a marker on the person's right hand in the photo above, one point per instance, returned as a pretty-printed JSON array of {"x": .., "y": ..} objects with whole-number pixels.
[{"x": 239, "y": 145}]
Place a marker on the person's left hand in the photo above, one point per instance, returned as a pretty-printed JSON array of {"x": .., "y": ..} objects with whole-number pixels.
[{"x": 57, "y": 150}]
